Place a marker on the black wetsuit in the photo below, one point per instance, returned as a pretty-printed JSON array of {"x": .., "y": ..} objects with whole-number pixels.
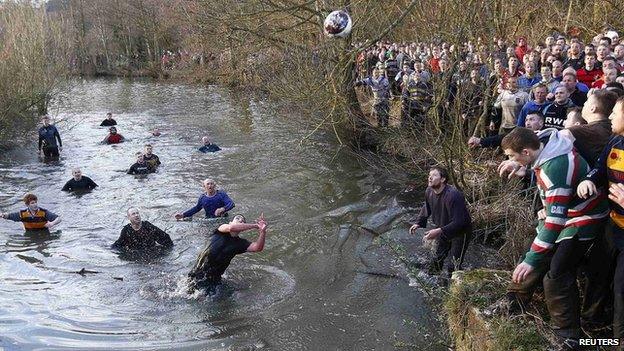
[
  {"x": 148, "y": 237},
  {"x": 152, "y": 161},
  {"x": 209, "y": 148},
  {"x": 48, "y": 137},
  {"x": 108, "y": 123},
  {"x": 216, "y": 257},
  {"x": 85, "y": 183},
  {"x": 140, "y": 168}
]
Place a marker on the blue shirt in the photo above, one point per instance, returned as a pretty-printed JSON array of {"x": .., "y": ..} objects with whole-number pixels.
[
  {"x": 48, "y": 137},
  {"x": 210, "y": 204},
  {"x": 530, "y": 106},
  {"x": 209, "y": 148}
]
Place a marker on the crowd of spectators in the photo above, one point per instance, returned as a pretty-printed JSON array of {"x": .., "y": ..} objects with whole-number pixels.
[{"x": 556, "y": 110}]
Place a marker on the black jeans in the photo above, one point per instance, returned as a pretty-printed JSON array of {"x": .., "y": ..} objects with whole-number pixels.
[
  {"x": 457, "y": 247},
  {"x": 50, "y": 152}
]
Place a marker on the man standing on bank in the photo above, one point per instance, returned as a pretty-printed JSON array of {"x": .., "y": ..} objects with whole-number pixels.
[{"x": 447, "y": 207}]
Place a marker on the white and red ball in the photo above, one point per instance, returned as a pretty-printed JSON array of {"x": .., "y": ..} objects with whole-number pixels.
[{"x": 338, "y": 24}]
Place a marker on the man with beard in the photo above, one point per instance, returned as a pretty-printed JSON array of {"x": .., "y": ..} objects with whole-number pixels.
[{"x": 447, "y": 208}]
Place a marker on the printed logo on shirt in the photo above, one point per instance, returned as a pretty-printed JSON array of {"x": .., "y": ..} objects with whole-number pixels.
[
  {"x": 557, "y": 210},
  {"x": 615, "y": 161}
]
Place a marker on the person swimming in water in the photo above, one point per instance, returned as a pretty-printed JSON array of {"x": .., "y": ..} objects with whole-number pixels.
[
  {"x": 109, "y": 121},
  {"x": 141, "y": 235},
  {"x": 140, "y": 166},
  {"x": 152, "y": 160},
  {"x": 224, "y": 244},
  {"x": 113, "y": 137},
  {"x": 216, "y": 203},
  {"x": 33, "y": 217},
  {"x": 208, "y": 146},
  {"x": 79, "y": 182}
]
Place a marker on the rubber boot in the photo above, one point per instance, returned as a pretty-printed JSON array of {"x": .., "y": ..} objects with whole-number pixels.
[
  {"x": 618, "y": 316},
  {"x": 562, "y": 300}
]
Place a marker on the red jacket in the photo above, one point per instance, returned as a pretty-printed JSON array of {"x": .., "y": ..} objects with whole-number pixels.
[{"x": 588, "y": 77}]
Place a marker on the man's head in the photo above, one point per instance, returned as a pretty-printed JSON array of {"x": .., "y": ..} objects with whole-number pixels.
[
  {"x": 574, "y": 118},
  {"x": 77, "y": 173},
  {"x": 556, "y": 50},
  {"x": 589, "y": 49},
  {"x": 45, "y": 119},
  {"x": 599, "y": 105},
  {"x": 618, "y": 53},
  {"x": 617, "y": 117},
  {"x": 31, "y": 201},
  {"x": 438, "y": 177},
  {"x": 148, "y": 149},
  {"x": 608, "y": 63},
  {"x": 512, "y": 84},
  {"x": 112, "y": 130},
  {"x": 206, "y": 140},
  {"x": 561, "y": 94},
  {"x": 513, "y": 63},
  {"x": 140, "y": 157},
  {"x": 133, "y": 215},
  {"x": 109, "y": 116},
  {"x": 530, "y": 68},
  {"x": 602, "y": 51},
  {"x": 590, "y": 61},
  {"x": 609, "y": 75},
  {"x": 546, "y": 72},
  {"x": 550, "y": 41},
  {"x": 521, "y": 145},
  {"x": 534, "y": 121},
  {"x": 569, "y": 81},
  {"x": 557, "y": 68},
  {"x": 540, "y": 91},
  {"x": 209, "y": 185},
  {"x": 239, "y": 218},
  {"x": 575, "y": 48}
]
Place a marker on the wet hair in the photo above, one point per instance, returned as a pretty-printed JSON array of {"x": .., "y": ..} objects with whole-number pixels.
[
  {"x": 441, "y": 171},
  {"x": 28, "y": 198},
  {"x": 605, "y": 100},
  {"x": 112, "y": 128},
  {"x": 148, "y": 145},
  {"x": 536, "y": 113},
  {"x": 138, "y": 153},
  {"x": 238, "y": 214},
  {"x": 519, "y": 139}
]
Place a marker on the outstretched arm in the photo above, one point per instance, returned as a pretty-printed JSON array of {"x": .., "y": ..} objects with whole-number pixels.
[
  {"x": 258, "y": 245},
  {"x": 237, "y": 227}
]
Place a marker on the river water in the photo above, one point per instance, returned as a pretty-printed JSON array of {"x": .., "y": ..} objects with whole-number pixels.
[{"x": 304, "y": 291}]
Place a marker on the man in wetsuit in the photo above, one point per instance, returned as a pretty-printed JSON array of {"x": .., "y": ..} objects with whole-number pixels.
[
  {"x": 208, "y": 146},
  {"x": 33, "y": 217},
  {"x": 224, "y": 245},
  {"x": 48, "y": 138},
  {"x": 215, "y": 202},
  {"x": 152, "y": 160},
  {"x": 141, "y": 235},
  {"x": 113, "y": 137},
  {"x": 140, "y": 166},
  {"x": 79, "y": 182},
  {"x": 109, "y": 121}
]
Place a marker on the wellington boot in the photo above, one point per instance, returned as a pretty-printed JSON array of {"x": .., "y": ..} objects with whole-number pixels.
[{"x": 562, "y": 300}]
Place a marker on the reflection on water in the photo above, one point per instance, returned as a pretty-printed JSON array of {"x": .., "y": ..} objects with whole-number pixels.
[{"x": 69, "y": 290}]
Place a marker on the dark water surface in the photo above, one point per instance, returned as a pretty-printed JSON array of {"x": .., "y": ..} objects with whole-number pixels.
[{"x": 299, "y": 293}]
